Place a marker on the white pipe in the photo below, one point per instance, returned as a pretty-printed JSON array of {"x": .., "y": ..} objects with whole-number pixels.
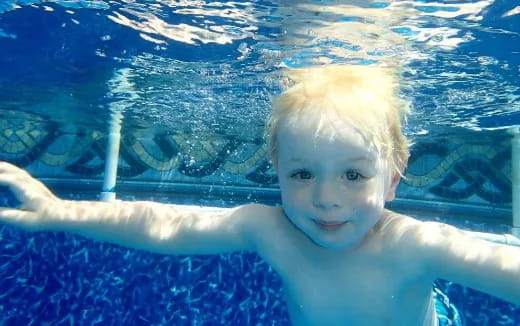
[
  {"x": 515, "y": 179},
  {"x": 123, "y": 93},
  {"x": 111, "y": 160}
]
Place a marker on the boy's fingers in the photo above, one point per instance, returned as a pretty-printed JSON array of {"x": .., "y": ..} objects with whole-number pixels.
[
  {"x": 17, "y": 186},
  {"x": 6, "y": 167},
  {"x": 12, "y": 182},
  {"x": 19, "y": 218},
  {"x": 13, "y": 216},
  {"x": 14, "y": 172},
  {"x": 23, "y": 186}
]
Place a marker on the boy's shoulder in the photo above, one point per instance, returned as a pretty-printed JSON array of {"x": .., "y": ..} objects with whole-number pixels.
[
  {"x": 275, "y": 238},
  {"x": 413, "y": 240},
  {"x": 395, "y": 227},
  {"x": 424, "y": 245},
  {"x": 264, "y": 222}
]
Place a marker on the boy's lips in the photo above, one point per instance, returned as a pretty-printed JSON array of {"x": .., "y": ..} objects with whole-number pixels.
[{"x": 329, "y": 226}]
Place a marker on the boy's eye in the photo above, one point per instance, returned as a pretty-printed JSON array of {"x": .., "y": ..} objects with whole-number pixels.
[
  {"x": 302, "y": 175},
  {"x": 353, "y": 175}
]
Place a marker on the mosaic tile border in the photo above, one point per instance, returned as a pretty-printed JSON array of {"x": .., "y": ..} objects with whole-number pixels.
[{"x": 438, "y": 171}]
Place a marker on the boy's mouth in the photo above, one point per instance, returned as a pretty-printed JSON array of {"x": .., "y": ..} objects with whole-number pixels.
[{"x": 329, "y": 226}]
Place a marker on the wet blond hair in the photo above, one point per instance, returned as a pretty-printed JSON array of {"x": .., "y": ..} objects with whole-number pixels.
[{"x": 365, "y": 96}]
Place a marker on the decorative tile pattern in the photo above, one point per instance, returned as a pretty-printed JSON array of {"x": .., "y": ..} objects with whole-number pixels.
[
  {"x": 465, "y": 172},
  {"x": 462, "y": 172}
]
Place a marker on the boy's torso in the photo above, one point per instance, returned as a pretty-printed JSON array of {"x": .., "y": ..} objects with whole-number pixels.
[{"x": 376, "y": 284}]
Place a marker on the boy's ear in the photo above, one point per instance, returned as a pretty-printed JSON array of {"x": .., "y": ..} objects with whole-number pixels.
[
  {"x": 396, "y": 177},
  {"x": 393, "y": 186}
]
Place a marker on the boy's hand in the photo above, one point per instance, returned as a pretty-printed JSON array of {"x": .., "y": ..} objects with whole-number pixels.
[{"x": 35, "y": 198}]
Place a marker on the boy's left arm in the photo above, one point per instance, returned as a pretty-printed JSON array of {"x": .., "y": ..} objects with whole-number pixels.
[{"x": 455, "y": 255}]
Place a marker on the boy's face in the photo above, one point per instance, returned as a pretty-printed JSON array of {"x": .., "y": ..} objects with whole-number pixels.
[{"x": 333, "y": 181}]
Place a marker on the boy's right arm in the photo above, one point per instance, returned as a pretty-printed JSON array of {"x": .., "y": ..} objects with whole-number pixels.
[{"x": 155, "y": 227}]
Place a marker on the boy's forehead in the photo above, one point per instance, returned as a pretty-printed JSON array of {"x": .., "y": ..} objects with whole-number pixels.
[
  {"x": 330, "y": 114},
  {"x": 324, "y": 122},
  {"x": 306, "y": 133}
]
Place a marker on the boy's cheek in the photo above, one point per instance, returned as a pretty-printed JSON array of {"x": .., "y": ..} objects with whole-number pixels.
[
  {"x": 288, "y": 195},
  {"x": 291, "y": 198}
]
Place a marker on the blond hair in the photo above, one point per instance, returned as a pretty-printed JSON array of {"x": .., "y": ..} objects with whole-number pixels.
[{"x": 366, "y": 96}]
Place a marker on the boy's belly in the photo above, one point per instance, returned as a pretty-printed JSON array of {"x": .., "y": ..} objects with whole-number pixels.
[
  {"x": 310, "y": 317},
  {"x": 362, "y": 310}
]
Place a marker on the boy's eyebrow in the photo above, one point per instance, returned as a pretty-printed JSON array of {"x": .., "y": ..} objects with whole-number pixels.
[{"x": 361, "y": 158}]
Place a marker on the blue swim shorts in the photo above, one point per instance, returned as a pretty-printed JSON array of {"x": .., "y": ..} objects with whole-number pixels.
[{"x": 447, "y": 313}]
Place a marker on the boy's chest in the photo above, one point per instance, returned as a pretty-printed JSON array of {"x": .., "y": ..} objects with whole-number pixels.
[
  {"x": 361, "y": 293},
  {"x": 374, "y": 285}
]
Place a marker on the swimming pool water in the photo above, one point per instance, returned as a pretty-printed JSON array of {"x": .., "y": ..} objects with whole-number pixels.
[{"x": 66, "y": 65}]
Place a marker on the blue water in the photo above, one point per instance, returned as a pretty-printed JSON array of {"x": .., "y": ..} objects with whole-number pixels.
[
  {"x": 461, "y": 71},
  {"x": 69, "y": 64}
]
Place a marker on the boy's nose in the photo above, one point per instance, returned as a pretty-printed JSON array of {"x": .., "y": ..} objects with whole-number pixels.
[{"x": 326, "y": 196}]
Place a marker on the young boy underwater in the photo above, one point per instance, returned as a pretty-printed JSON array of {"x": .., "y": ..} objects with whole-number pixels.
[{"x": 337, "y": 147}]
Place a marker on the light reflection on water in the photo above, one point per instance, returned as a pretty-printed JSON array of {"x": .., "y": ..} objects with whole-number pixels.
[{"x": 205, "y": 65}]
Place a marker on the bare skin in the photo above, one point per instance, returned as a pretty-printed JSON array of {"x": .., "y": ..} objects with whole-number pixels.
[{"x": 343, "y": 258}]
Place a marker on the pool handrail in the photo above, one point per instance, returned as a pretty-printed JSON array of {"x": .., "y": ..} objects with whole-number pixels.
[
  {"x": 515, "y": 178},
  {"x": 507, "y": 239},
  {"x": 123, "y": 95},
  {"x": 108, "y": 193}
]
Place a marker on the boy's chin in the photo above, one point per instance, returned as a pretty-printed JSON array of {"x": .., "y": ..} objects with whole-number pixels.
[{"x": 335, "y": 244}]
